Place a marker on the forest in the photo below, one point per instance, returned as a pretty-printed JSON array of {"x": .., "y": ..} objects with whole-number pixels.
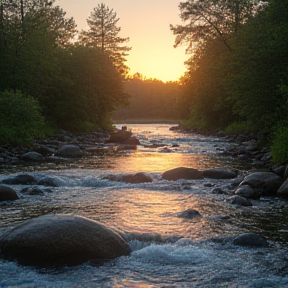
[{"x": 55, "y": 77}]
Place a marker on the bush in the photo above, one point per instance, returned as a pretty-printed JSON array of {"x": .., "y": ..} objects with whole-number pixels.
[
  {"x": 279, "y": 147},
  {"x": 20, "y": 118}
]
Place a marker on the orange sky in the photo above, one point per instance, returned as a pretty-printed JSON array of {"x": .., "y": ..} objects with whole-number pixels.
[{"x": 146, "y": 23}]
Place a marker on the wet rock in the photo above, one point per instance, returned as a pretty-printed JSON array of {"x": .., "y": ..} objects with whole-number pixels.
[
  {"x": 132, "y": 141},
  {"x": 247, "y": 192},
  {"x": 125, "y": 147},
  {"x": 266, "y": 183},
  {"x": 250, "y": 240},
  {"x": 7, "y": 193},
  {"x": 219, "y": 173},
  {"x": 137, "y": 178},
  {"x": 32, "y": 156},
  {"x": 48, "y": 181},
  {"x": 283, "y": 190},
  {"x": 219, "y": 191},
  {"x": 22, "y": 179},
  {"x": 267, "y": 157},
  {"x": 238, "y": 200},
  {"x": 32, "y": 191},
  {"x": 53, "y": 240},
  {"x": 119, "y": 136},
  {"x": 69, "y": 151},
  {"x": 44, "y": 150},
  {"x": 189, "y": 214},
  {"x": 182, "y": 173}
]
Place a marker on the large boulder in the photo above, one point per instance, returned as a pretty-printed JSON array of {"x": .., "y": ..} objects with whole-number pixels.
[
  {"x": 119, "y": 136},
  {"x": 7, "y": 193},
  {"x": 265, "y": 183},
  {"x": 69, "y": 151},
  {"x": 220, "y": 173},
  {"x": 21, "y": 179},
  {"x": 53, "y": 240},
  {"x": 247, "y": 192},
  {"x": 283, "y": 190},
  {"x": 132, "y": 141},
  {"x": 182, "y": 173},
  {"x": 250, "y": 240}
]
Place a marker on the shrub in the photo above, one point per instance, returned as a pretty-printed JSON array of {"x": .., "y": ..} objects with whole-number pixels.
[
  {"x": 20, "y": 119},
  {"x": 279, "y": 147}
]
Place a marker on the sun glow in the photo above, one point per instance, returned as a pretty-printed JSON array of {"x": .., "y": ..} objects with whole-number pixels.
[{"x": 146, "y": 23}]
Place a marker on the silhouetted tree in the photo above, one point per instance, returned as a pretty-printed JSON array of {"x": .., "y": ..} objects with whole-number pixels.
[{"x": 103, "y": 33}]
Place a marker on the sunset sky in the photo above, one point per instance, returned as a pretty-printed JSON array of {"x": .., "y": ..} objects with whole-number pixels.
[{"x": 146, "y": 23}]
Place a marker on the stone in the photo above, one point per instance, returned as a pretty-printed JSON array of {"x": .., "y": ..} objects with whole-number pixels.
[
  {"x": 238, "y": 200},
  {"x": 21, "y": 179},
  {"x": 189, "y": 214},
  {"x": 283, "y": 190},
  {"x": 32, "y": 191},
  {"x": 266, "y": 183},
  {"x": 132, "y": 141},
  {"x": 182, "y": 173},
  {"x": 7, "y": 194},
  {"x": 250, "y": 240},
  {"x": 220, "y": 173},
  {"x": 119, "y": 136},
  {"x": 56, "y": 240},
  {"x": 247, "y": 192},
  {"x": 69, "y": 151},
  {"x": 32, "y": 156},
  {"x": 48, "y": 181},
  {"x": 137, "y": 178}
]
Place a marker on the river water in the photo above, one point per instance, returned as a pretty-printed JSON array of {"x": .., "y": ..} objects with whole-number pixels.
[{"x": 167, "y": 251}]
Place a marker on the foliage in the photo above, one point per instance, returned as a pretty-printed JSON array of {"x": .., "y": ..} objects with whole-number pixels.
[
  {"x": 20, "y": 118},
  {"x": 103, "y": 33},
  {"x": 279, "y": 147},
  {"x": 150, "y": 99}
]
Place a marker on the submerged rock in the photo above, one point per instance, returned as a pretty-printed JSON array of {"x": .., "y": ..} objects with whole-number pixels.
[
  {"x": 182, "y": 173},
  {"x": 238, "y": 200},
  {"x": 189, "y": 214},
  {"x": 250, "y": 239},
  {"x": 48, "y": 181},
  {"x": 7, "y": 193},
  {"x": 137, "y": 178},
  {"x": 53, "y": 240},
  {"x": 32, "y": 191},
  {"x": 266, "y": 183},
  {"x": 69, "y": 151},
  {"x": 219, "y": 173},
  {"x": 22, "y": 179},
  {"x": 32, "y": 156}
]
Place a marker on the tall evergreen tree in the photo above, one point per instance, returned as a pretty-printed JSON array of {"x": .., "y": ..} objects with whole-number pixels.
[{"x": 103, "y": 33}]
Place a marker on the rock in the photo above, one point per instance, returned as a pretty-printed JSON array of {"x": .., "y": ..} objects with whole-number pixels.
[
  {"x": 125, "y": 147},
  {"x": 69, "y": 151},
  {"x": 119, "y": 136},
  {"x": 283, "y": 190},
  {"x": 182, "y": 173},
  {"x": 250, "y": 239},
  {"x": 219, "y": 173},
  {"x": 238, "y": 200},
  {"x": 7, "y": 193},
  {"x": 247, "y": 192},
  {"x": 53, "y": 240},
  {"x": 48, "y": 181},
  {"x": 44, "y": 150},
  {"x": 137, "y": 178},
  {"x": 189, "y": 214},
  {"x": 280, "y": 171},
  {"x": 32, "y": 156},
  {"x": 219, "y": 191},
  {"x": 267, "y": 157},
  {"x": 32, "y": 191},
  {"x": 266, "y": 183},
  {"x": 132, "y": 141},
  {"x": 22, "y": 179}
]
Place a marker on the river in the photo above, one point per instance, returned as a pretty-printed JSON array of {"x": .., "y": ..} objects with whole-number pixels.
[{"x": 167, "y": 251}]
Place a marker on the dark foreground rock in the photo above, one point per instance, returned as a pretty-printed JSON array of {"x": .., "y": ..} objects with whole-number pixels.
[
  {"x": 53, "y": 240},
  {"x": 250, "y": 240},
  {"x": 182, "y": 173},
  {"x": 7, "y": 193},
  {"x": 219, "y": 173}
]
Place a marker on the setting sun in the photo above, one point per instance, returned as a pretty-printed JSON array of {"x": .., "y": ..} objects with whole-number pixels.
[{"x": 146, "y": 23}]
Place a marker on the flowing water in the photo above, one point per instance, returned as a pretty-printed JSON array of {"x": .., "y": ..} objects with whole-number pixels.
[{"x": 167, "y": 251}]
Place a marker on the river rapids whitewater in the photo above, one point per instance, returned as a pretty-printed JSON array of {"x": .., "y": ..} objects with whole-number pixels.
[{"x": 167, "y": 251}]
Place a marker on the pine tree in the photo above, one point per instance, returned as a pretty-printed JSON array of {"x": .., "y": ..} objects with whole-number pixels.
[{"x": 103, "y": 33}]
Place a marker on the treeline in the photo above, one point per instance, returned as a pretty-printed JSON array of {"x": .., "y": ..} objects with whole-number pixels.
[
  {"x": 48, "y": 80},
  {"x": 237, "y": 78},
  {"x": 151, "y": 100}
]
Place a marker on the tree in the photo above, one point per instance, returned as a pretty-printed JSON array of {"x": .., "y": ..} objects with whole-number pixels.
[
  {"x": 103, "y": 33},
  {"x": 204, "y": 19}
]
